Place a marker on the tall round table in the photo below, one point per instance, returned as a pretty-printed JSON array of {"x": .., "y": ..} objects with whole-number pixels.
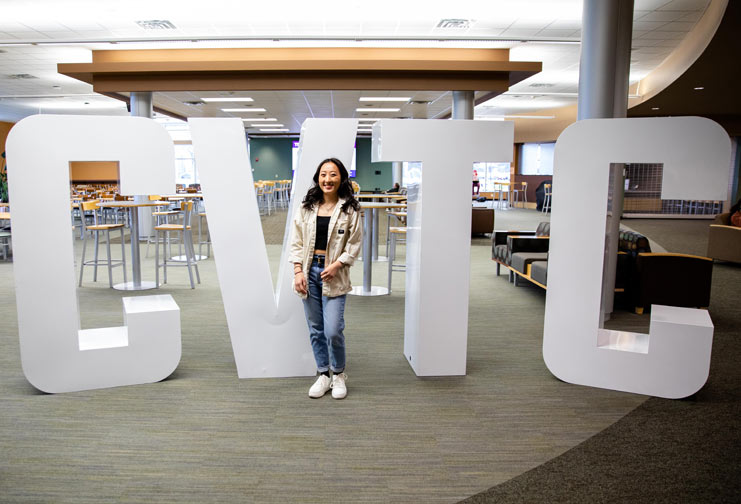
[
  {"x": 133, "y": 207},
  {"x": 370, "y": 221}
]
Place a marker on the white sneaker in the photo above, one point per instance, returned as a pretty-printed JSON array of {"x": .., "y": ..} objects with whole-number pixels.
[
  {"x": 339, "y": 389},
  {"x": 320, "y": 387}
]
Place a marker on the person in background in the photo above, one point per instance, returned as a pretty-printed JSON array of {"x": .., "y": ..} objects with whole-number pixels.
[
  {"x": 475, "y": 182},
  {"x": 736, "y": 214},
  {"x": 394, "y": 189},
  {"x": 326, "y": 242}
]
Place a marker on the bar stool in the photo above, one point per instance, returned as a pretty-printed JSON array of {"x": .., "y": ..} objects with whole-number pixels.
[
  {"x": 160, "y": 215},
  {"x": 186, "y": 240},
  {"x": 499, "y": 189},
  {"x": 401, "y": 232},
  {"x": 262, "y": 201},
  {"x": 207, "y": 241},
  {"x": 97, "y": 229},
  {"x": 401, "y": 218},
  {"x": 546, "y": 198},
  {"x": 522, "y": 191},
  {"x": 269, "y": 191},
  {"x": 5, "y": 244}
]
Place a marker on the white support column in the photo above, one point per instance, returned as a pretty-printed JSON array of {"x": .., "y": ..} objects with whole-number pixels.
[{"x": 397, "y": 173}]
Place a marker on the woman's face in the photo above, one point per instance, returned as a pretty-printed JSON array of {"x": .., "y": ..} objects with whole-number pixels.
[{"x": 329, "y": 179}]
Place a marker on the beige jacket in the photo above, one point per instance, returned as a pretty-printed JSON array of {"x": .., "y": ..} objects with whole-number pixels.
[{"x": 344, "y": 238}]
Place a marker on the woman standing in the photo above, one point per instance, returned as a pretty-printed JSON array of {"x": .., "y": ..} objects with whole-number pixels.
[{"x": 326, "y": 242}]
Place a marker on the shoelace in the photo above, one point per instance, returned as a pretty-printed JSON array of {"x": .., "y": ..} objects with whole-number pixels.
[{"x": 341, "y": 376}]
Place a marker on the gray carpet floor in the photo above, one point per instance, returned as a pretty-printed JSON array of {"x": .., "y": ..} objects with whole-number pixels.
[
  {"x": 203, "y": 435},
  {"x": 664, "y": 451}
]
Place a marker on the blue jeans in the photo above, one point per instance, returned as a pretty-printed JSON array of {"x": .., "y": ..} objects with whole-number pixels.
[{"x": 326, "y": 319}]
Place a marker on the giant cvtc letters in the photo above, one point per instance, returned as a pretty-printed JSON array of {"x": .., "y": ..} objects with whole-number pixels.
[
  {"x": 439, "y": 230},
  {"x": 267, "y": 327},
  {"x": 56, "y": 355},
  {"x": 673, "y": 360}
]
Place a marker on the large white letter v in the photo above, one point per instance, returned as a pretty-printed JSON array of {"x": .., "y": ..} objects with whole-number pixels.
[{"x": 267, "y": 327}]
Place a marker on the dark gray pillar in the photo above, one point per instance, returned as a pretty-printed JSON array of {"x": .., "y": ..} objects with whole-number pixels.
[
  {"x": 607, "y": 28},
  {"x": 141, "y": 103},
  {"x": 462, "y": 105}
]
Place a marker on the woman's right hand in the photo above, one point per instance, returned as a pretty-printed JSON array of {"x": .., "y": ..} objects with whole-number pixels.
[{"x": 299, "y": 282}]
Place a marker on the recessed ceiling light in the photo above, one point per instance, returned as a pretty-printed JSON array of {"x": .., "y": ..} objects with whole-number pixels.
[
  {"x": 385, "y": 98},
  {"x": 156, "y": 24},
  {"x": 654, "y": 108},
  {"x": 250, "y": 109},
  {"x": 274, "y": 130},
  {"x": 235, "y": 99},
  {"x": 256, "y": 119},
  {"x": 699, "y": 88},
  {"x": 368, "y": 109},
  {"x": 456, "y": 24},
  {"x": 263, "y": 125},
  {"x": 370, "y": 119}
]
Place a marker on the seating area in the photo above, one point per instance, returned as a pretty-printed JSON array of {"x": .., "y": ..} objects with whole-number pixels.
[{"x": 642, "y": 278}]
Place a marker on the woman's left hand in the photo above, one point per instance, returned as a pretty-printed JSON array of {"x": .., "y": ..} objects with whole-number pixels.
[{"x": 330, "y": 271}]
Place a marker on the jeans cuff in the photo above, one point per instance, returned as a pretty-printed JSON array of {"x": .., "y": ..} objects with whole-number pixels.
[
  {"x": 338, "y": 371},
  {"x": 320, "y": 371}
]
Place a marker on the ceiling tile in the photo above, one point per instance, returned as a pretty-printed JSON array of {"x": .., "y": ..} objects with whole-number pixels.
[{"x": 665, "y": 16}]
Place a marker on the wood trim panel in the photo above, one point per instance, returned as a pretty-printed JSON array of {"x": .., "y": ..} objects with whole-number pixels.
[
  {"x": 301, "y": 69},
  {"x": 268, "y": 81},
  {"x": 317, "y": 54},
  {"x": 670, "y": 254}
]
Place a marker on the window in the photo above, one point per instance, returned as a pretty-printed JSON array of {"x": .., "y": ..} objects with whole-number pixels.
[
  {"x": 411, "y": 173},
  {"x": 490, "y": 174},
  {"x": 537, "y": 158},
  {"x": 185, "y": 165}
]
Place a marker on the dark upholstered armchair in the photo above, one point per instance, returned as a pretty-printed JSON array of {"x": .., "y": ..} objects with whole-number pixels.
[
  {"x": 724, "y": 240},
  {"x": 671, "y": 279},
  {"x": 506, "y": 243}
]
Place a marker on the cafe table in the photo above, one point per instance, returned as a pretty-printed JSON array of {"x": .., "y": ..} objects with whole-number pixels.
[
  {"x": 389, "y": 198},
  {"x": 363, "y": 196},
  {"x": 500, "y": 188},
  {"x": 133, "y": 207},
  {"x": 370, "y": 229}
]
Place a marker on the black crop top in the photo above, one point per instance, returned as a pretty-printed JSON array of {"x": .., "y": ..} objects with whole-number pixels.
[{"x": 322, "y": 227}]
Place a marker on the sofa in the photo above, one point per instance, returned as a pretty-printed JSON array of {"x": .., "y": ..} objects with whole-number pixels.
[
  {"x": 642, "y": 278},
  {"x": 724, "y": 240}
]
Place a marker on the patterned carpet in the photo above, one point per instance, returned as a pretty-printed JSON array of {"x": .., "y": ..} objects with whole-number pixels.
[{"x": 203, "y": 435}]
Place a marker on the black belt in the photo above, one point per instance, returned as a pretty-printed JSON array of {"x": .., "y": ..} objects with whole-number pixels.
[{"x": 319, "y": 258}]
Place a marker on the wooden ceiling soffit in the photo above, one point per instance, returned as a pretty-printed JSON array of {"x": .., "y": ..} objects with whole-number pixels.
[{"x": 301, "y": 69}]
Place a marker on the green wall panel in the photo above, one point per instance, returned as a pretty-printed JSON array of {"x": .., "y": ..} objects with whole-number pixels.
[
  {"x": 271, "y": 158},
  {"x": 366, "y": 175}
]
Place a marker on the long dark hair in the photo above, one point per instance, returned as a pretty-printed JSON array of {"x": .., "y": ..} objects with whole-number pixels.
[{"x": 315, "y": 195}]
